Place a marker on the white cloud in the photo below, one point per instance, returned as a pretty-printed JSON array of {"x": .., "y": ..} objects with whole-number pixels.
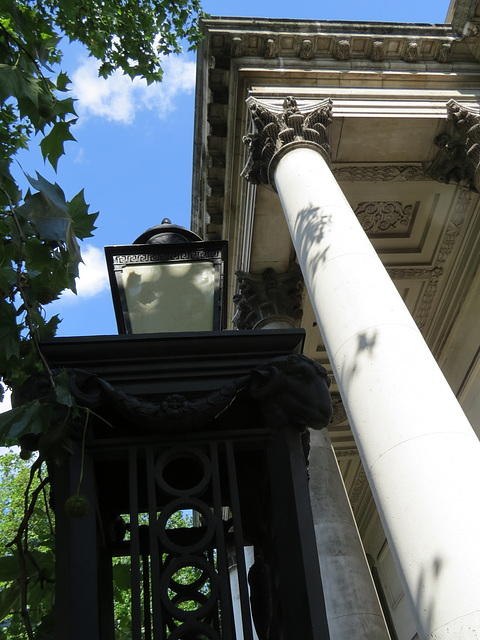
[
  {"x": 119, "y": 99},
  {"x": 93, "y": 275}
]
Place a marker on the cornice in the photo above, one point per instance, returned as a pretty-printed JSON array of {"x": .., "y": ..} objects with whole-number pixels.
[
  {"x": 290, "y": 25},
  {"x": 377, "y": 42}
]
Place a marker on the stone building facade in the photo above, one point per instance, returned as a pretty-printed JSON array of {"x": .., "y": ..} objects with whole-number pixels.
[{"x": 341, "y": 161}]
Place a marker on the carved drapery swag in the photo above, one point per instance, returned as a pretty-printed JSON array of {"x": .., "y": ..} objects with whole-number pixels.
[
  {"x": 268, "y": 296},
  {"x": 275, "y": 131},
  {"x": 291, "y": 391},
  {"x": 458, "y": 158}
]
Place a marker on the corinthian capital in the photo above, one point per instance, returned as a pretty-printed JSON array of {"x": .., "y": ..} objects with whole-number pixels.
[
  {"x": 277, "y": 129},
  {"x": 467, "y": 123}
]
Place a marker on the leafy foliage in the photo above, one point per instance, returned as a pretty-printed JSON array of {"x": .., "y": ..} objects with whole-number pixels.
[{"x": 39, "y": 559}]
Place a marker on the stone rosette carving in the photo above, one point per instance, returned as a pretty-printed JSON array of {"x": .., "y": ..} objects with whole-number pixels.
[
  {"x": 268, "y": 297},
  {"x": 380, "y": 217},
  {"x": 275, "y": 130}
]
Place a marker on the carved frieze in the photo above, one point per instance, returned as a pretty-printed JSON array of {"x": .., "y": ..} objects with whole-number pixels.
[
  {"x": 380, "y": 173},
  {"x": 381, "y": 217},
  {"x": 359, "y": 487},
  {"x": 268, "y": 297},
  {"x": 274, "y": 130},
  {"x": 339, "y": 415},
  {"x": 433, "y": 46}
]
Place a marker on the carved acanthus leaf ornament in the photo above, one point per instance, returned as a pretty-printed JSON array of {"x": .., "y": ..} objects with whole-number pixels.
[{"x": 274, "y": 131}]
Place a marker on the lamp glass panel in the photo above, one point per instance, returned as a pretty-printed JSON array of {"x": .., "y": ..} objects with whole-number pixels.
[{"x": 170, "y": 297}]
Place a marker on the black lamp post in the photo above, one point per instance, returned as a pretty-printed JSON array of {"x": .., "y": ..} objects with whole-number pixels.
[
  {"x": 200, "y": 421},
  {"x": 168, "y": 280}
]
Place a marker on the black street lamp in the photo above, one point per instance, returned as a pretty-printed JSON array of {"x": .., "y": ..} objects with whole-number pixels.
[
  {"x": 168, "y": 280},
  {"x": 183, "y": 417}
]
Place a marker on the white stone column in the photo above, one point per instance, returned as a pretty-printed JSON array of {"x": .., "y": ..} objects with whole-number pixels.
[
  {"x": 420, "y": 453},
  {"x": 353, "y": 610}
]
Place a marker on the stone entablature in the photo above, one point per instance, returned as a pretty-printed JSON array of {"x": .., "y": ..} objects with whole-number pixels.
[
  {"x": 345, "y": 54},
  {"x": 344, "y": 41}
]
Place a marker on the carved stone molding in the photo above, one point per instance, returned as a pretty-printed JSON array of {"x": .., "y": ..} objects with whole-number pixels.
[
  {"x": 433, "y": 274},
  {"x": 451, "y": 164},
  {"x": 268, "y": 298},
  {"x": 378, "y": 51},
  {"x": 238, "y": 47},
  {"x": 306, "y": 50},
  {"x": 358, "y": 489},
  {"x": 467, "y": 124},
  {"x": 380, "y": 173},
  {"x": 270, "y": 49},
  {"x": 411, "y": 52},
  {"x": 444, "y": 53},
  {"x": 339, "y": 415},
  {"x": 381, "y": 217},
  {"x": 274, "y": 131},
  {"x": 394, "y": 45},
  {"x": 342, "y": 51}
]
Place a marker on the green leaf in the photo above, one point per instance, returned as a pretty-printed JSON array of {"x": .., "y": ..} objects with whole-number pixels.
[
  {"x": 15, "y": 83},
  {"x": 48, "y": 210},
  {"x": 52, "y": 191},
  {"x": 62, "y": 81},
  {"x": 9, "y": 331},
  {"x": 45, "y": 630},
  {"x": 83, "y": 221},
  {"x": 33, "y": 417},
  {"x": 62, "y": 389},
  {"x": 52, "y": 144},
  {"x": 10, "y": 599},
  {"x": 122, "y": 576},
  {"x": 8, "y": 568},
  {"x": 51, "y": 221}
]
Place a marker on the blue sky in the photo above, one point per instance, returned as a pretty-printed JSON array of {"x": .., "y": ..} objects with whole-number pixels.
[{"x": 133, "y": 154}]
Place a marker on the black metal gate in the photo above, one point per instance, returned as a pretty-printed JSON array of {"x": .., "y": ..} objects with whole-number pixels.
[{"x": 231, "y": 492}]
